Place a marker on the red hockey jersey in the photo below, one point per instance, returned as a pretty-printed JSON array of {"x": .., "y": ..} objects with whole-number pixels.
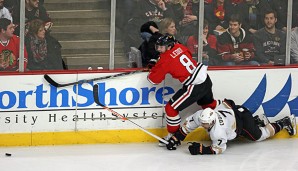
[
  {"x": 178, "y": 62},
  {"x": 10, "y": 52}
]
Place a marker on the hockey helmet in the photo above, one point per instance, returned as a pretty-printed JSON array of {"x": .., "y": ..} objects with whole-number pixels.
[
  {"x": 166, "y": 40},
  {"x": 207, "y": 116}
]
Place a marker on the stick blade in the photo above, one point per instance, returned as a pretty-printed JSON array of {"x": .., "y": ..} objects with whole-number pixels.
[
  {"x": 95, "y": 95},
  {"x": 50, "y": 80}
]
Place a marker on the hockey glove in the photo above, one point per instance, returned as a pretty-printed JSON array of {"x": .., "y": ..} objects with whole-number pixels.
[
  {"x": 198, "y": 148},
  {"x": 176, "y": 139},
  {"x": 151, "y": 63}
]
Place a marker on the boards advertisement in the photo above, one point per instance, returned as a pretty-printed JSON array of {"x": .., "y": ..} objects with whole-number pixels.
[{"x": 30, "y": 106}]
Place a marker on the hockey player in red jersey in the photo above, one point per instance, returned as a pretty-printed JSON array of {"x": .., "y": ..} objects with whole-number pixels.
[
  {"x": 227, "y": 122},
  {"x": 176, "y": 60}
]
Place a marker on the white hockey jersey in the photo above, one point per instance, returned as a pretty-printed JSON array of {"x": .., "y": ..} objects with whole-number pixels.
[{"x": 222, "y": 131}]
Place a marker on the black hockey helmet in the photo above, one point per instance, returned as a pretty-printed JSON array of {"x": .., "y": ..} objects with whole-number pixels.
[{"x": 166, "y": 40}]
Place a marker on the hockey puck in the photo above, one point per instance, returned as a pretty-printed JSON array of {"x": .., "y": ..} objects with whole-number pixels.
[{"x": 7, "y": 154}]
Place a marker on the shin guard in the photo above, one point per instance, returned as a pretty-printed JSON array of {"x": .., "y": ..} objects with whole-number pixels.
[{"x": 173, "y": 119}]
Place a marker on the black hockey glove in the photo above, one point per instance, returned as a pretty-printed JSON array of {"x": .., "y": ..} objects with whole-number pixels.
[
  {"x": 151, "y": 63},
  {"x": 176, "y": 139},
  {"x": 198, "y": 148}
]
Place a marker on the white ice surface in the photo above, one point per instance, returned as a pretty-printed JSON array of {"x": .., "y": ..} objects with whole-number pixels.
[{"x": 269, "y": 155}]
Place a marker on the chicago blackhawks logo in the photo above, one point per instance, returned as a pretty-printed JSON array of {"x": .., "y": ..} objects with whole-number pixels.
[{"x": 7, "y": 59}]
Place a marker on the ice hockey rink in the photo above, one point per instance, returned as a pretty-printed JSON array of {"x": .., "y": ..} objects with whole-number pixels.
[{"x": 272, "y": 154}]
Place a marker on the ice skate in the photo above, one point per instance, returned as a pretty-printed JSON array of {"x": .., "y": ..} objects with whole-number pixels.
[
  {"x": 161, "y": 144},
  {"x": 290, "y": 124}
]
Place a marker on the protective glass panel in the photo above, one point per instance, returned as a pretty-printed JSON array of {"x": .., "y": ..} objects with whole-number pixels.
[
  {"x": 76, "y": 34},
  {"x": 229, "y": 29}
]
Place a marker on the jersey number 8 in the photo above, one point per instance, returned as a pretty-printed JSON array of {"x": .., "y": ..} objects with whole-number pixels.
[{"x": 185, "y": 61}]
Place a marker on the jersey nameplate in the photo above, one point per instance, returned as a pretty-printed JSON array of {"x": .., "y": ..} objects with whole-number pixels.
[{"x": 176, "y": 52}]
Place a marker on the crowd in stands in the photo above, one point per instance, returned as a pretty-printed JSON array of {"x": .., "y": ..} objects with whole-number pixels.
[
  {"x": 42, "y": 51},
  {"x": 236, "y": 32}
]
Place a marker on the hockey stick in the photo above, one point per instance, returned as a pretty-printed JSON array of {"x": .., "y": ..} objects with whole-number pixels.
[
  {"x": 54, "y": 83},
  {"x": 96, "y": 100}
]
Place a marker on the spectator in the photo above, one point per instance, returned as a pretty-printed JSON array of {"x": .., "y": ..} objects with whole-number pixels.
[
  {"x": 167, "y": 25},
  {"x": 269, "y": 41},
  {"x": 215, "y": 13},
  {"x": 35, "y": 11},
  {"x": 32, "y": 11},
  {"x": 4, "y": 12},
  {"x": 44, "y": 51},
  {"x": 281, "y": 9},
  {"x": 210, "y": 56},
  {"x": 235, "y": 45},
  {"x": 146, "y": 10},
  {"x": 187, "y": 14},
  {"x": 262, "y": 6},
  {"x": 9, "y": 47},
  {"x": 149, "y": 34},
  {"x": 294, "y": 46},
  {"x": 14, "y": 8},
  {"x": 219, "y": 12},
  {"x": 252, "y": 15}
]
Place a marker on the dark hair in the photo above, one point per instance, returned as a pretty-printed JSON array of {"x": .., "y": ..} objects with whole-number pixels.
[
  {"x": 4, "y": 22},
  {"x": 146, "y": 26},
  {"x": 205, "y": 23},
  {"x": 236, "y": 18},
  {"x": 269, "y": 11},
  {"x": 35, "y": 25}
]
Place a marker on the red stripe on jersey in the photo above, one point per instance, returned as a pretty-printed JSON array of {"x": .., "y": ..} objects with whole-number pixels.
[
  {"x": 249, "y": 134},
  {"x": 183, "y": 97}
]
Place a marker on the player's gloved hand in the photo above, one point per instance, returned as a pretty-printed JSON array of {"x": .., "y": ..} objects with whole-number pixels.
[
  {"x": 198, "y": 148},
  {"x": 195, "y": 148},
  {"x": 151, "y": 63},
  {"x": 176, "y": 139},
  {"x": 173, "y": 143}
]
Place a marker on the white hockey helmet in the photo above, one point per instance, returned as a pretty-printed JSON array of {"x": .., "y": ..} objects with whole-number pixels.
[{"x": 207, "y": 116}]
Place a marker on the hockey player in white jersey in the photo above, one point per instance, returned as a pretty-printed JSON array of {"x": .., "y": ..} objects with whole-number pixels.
[{"x": 224, "y": 123}]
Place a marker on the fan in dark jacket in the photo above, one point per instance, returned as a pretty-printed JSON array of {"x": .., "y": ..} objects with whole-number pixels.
[
  {"x": 44, "y": 51},
  {"x": 150, "y": 34}
]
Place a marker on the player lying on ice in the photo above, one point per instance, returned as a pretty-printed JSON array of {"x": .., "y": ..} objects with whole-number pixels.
[{"x": 227, "y": 122}]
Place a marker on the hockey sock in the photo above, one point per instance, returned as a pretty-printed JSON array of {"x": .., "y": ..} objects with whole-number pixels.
[
  {"x": 277, "y": 126},
  {"x": 173, "y": 119},
  {"x": 210, "y": 105}
]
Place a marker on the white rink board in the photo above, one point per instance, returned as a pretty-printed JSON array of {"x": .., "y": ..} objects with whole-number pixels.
[{"x": 29, "y": 104}]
